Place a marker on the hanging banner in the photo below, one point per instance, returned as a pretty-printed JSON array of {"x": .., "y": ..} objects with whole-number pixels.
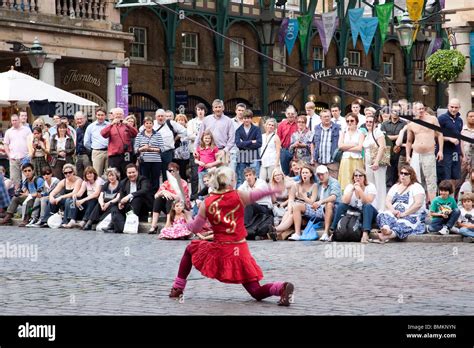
[
  {"x": 291, "y": 34},
  {"x": 384, "y": 12},
  {"x": 121, "y": 89},
  {"x": 354, "y": 15},
  {"x": 329, "y": 23},
  {"x": 471, "y": 37},
  {"x": 415, "y": 8},
  {"x": 304, "y": 22},
  {"x": 318, "y": 23},
  {"x": 346, "y": 5},
  {"x": 282, "y": 32},
  {"x": 442, "y": 3},
  {"x": 368, "y": 27}
]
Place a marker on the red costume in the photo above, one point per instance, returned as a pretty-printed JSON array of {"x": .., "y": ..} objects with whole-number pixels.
[{"x": 227, "y": 258}]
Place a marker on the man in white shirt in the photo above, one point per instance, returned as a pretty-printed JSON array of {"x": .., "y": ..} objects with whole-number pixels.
[
  {"x": 355, "y": 108},
  {"x": 263, "y": 205},
  {"x": 337, "y": 118},
  {"x": 312, "y": 118}
]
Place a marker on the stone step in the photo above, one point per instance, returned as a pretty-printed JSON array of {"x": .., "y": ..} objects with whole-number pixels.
[{"x": 144, "y": 227}]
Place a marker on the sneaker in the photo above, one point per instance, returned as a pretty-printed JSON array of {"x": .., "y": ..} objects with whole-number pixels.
[
  {"x": 454, "y": 230},
  {"x": 81, "y": 224},
  {"x": 295, "y": 236},
  {"x": 324, "y": 238},
  {"x": 286, "y": 296},
  {"x": 43, "y": 224},
  {"x": 32, "y": 222},
  {"x": 38, "y": 223},
  {"x": 444, "y": 231}
]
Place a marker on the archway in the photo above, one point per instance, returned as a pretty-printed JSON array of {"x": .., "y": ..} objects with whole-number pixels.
[{"x": 143, "y": 104}]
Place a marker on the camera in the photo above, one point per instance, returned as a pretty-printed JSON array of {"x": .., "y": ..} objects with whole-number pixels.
[{"x": 18, "y": 192}]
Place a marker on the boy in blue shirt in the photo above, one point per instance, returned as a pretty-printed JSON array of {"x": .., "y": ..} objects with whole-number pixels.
[{"x": 444, "y": 210}]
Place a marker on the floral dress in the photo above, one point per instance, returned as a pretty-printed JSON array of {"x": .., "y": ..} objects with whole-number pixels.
[
  {"x": 411, "y": 224},
  {"x": 178, "y": 230},
  {"x": 302, "y": 153}
]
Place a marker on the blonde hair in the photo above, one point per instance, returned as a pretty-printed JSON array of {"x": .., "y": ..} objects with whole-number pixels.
[
  {"x": 181, "y": 117},
  {"x": 201, "y": 142},
  {"x": 220, "y": 178},
  {"x": 70, "y": 166},
  {"x": 114, "y": 171}
]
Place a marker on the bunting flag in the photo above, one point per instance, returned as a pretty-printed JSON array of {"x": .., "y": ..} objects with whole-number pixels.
[
  {"x": 304, "y": 22},
  {"x": 291, "y": 34},
  {"x": 326, "y": 27},
  {"x": 368, "y": 27},
  {"x": 384, "y": 13},
  {"x": 282, "y": 32},
  {"x": 435, "y": 45},
  {"x": 415, "y": 8},
  {"x": 346, "y": 5},
  {"x": 442, "y": 4},
  {"x": 354, "y": 15}
]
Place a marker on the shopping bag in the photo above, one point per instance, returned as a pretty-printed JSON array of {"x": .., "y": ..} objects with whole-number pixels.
[
  {"x": 104, "y": 223},
  {"x": 131, "y": 223},
  {"x": 55, "y": 221},
  {"x": 310, "y": 233}
]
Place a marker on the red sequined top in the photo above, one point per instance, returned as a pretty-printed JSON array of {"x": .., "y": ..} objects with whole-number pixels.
[{"x": 225, "y": 212}]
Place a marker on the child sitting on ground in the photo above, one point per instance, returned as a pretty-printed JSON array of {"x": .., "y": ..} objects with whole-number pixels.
[
  {"x": 176, "y": 223},
  {"x": 466, "y": 220},
  {"x": 444, "y": 210}
]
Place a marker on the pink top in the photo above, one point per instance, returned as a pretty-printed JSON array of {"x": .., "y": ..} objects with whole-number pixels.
[
  {"x": 207, "y": 155},
  {"x": 15, "y": 139}
]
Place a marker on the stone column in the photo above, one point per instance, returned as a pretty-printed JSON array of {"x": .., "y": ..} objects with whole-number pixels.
[
  {"x": 111, "y": 102},
  {"x": 461, "y": 87},
  {"x": 46, "y": 73}
]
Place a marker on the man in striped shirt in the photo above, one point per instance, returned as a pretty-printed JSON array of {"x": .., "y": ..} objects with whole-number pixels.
[{"x": 325, "y": 143}]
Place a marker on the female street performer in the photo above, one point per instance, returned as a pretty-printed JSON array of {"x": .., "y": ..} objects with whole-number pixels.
[{"x": 227, "y": 258}]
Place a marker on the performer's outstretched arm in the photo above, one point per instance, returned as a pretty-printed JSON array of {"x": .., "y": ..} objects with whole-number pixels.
[
  {"x": 198, "y": 222},
  {"x": 253, "y": 196}
]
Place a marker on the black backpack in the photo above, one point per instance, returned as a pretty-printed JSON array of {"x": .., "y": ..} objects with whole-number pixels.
[
  {"x": 349, "y": 228},
  {"x": 259, "y": 226},
  {"x": 177, "y": 143}
]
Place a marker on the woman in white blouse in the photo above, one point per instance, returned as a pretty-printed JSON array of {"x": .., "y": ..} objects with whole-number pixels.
[{"x": 270, "y": 150}]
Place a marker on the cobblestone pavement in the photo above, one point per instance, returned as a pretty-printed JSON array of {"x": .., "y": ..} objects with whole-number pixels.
[{"x": 91, "y": 273}]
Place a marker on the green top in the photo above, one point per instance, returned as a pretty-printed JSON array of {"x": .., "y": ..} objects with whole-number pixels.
[{"x": 440, "y": 205}]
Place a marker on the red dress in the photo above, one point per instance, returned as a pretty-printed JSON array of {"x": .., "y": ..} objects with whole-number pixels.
[{"x": 227, "y": 258}]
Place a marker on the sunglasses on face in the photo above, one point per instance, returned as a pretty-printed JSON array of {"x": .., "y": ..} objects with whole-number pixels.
[
  {"x": 404, "y": 173},
  {"x": 358, "y": 175},
  {"x": 67, "y": 173},
  {"x": 47, "y": 173},
  {"x": 350, "y": 121}
]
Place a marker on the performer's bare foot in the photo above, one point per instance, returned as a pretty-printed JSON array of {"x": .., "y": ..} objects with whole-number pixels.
[
  {"x": 175, "y": 293},
  {"x": 286, "y": 296}
]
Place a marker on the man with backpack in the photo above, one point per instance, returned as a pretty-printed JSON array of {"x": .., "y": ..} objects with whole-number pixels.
[
  {"x": 258, "y": 217},
  {"x": 29, "y": 190}
]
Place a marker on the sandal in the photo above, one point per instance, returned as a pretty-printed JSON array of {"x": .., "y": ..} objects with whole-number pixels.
[
  {"x": 153, "y": 230},
  {"x": 286, "y": 296}
]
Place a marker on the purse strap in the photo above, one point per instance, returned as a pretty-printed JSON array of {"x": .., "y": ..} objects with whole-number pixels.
[
  {"x": 268, "y": 142},
  {"x": 372, "y": 132}
]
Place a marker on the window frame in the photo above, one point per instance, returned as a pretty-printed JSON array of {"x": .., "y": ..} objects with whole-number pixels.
[
  {"x": 323, "y": 60},
  {"x": 419, "y": 71},
  {"x": 184, "y": 48},
  {"x": 390, "y": 62},
  {"x": 241, "y": 53},
  {"x": 357, "y": 53},
  {"x": 145, "y": 46}
]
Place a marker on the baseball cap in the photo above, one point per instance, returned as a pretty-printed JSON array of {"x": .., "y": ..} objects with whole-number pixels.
[{"x": 322, "y": 169}]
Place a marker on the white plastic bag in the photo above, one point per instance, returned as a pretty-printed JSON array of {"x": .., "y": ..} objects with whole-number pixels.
[
  {"x": 131, "y": 223},
  {"x": 104, "y": 223},
  {"x": 55, "y": 220}
]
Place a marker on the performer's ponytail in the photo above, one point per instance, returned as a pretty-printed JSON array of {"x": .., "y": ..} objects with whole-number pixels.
[{"x": 222, "y": 177}]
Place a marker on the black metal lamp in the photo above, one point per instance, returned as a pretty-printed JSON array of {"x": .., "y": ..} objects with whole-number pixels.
[
  {"x": 267, "y": 25},
  {"x": 405, "y": 31},
  {"x": 422, "y": 45},
  {"x": 36, "y": 54}
]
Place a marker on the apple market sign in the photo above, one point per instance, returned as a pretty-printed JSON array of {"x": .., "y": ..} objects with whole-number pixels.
[{"x": 342, "y": 71}]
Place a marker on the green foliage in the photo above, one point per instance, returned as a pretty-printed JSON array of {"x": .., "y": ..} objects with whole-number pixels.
[{"x": 445, "y": 65}]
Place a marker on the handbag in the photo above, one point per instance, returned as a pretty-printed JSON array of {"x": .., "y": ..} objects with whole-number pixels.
[
  {"x": 310, "y": 231},
  {"x": 131, "y": 223},
  {"x": 337, "y": 156},
  {"x": 104, "y": 223},
  {"x": 385, "y": 160},
  {"x": 55, "y": 220}
]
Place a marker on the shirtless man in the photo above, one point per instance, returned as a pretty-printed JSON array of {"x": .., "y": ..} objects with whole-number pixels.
[{"x": 423, "y": 158}]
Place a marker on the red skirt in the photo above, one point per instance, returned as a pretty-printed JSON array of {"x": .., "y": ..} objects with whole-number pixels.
[{"x": 228, "y": 263}]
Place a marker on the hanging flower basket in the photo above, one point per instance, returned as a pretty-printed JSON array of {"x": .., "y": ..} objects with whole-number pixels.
[{"x": 445, "y": 65}]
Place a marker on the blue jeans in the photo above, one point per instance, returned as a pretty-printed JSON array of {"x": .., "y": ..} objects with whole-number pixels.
[
  {"x": 369, "y": 214},
  {"x": 70, "y": 210},
  {"x": 285, "y": 158},
  {"x": 438, "y": 223},
  {"x": 466, "y": 232},
  {"x": 201, "y": 176},
  {"x": 242, "y": 166}
]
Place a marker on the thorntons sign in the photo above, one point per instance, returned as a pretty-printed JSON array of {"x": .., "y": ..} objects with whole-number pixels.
[
  {"x": 342, "y": 71},
  {"x": 73, "y": 76}
]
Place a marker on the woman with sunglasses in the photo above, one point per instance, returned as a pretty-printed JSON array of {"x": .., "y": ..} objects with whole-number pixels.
[
  {"x": 62, "y": 150},
  {"x": 170, "y": 191},
  {"x": 376, "y": 173},
  {"x": 405, "y": 208},
  {"x": 361, "y": 196},
  {"x": 61, "y": 198},
  {"x": 351, "y": 143},
  {"x": 280, "y": 182}
]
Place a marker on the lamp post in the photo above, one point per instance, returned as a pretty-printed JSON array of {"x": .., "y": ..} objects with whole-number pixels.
[
  {"x": 36, "y": 55},
  {"x": 405, "y": 32},
  {"x": 267, "y": 28}
]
